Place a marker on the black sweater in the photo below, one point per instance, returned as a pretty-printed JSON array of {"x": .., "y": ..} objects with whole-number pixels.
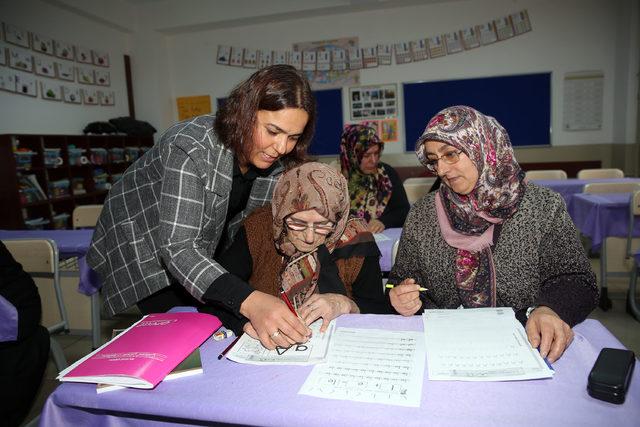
[
  {"x": 18, "y": 288},
  {"x": 398, "y": 206}
]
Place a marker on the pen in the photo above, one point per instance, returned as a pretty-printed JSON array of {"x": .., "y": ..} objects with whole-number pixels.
[
  {"x": 226, "y": 350},
  {"x": 287, "y": 301},
  {"x": 391, "y": 286},
  {"x": 285, "y": 298}
]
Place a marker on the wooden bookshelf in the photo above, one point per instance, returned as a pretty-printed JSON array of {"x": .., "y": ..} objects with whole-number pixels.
[{"x": 54, "y": 159}]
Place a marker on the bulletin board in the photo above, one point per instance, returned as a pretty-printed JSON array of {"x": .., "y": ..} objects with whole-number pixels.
[
  {"x": 521, "y": 103},
  {"x": 326, "y": 140}
]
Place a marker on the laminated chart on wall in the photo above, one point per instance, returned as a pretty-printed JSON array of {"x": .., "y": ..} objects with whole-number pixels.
[
  {"x": 192, "y": 106},
  {"x": 583, "y": 95}
]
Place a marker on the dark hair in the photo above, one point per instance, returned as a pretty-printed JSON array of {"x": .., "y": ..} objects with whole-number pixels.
[{"x": 272, "y": 88}]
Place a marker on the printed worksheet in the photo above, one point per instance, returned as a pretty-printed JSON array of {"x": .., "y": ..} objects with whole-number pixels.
[
  {"x": 250, "y": 351},
  {"x": 371, "y": 365},
  {"x": 480, "y": 344}
]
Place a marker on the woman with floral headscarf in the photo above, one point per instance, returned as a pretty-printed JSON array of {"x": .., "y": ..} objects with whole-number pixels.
[
  {"x": 487, "y": 238},
  {"x": 305, "y": 249},
  {"x": 376, "y": 192}
]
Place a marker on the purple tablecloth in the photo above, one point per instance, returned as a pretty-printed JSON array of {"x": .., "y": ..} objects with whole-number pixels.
[
  {"x": 602, "y": 215},
  {"x": 70, "y": 243},
  {"x": 568, "y": 187},
  {"x": 268, "y": 395},
  {"x": 386, "y": 247}
]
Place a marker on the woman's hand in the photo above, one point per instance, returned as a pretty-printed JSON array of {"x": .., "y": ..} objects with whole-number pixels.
[
  {"x": 545, "y": 329},
  {"x": 327, "y": 306},
  {"x": 375, "y": 226},
  {"x": 272, "y": 322},
  {"x": 405, "y": 297}
]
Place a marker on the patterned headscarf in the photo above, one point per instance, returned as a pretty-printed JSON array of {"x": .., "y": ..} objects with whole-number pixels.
[
  {"x": 467, "y": 221},
  {"x": 309, "y": 186},
  {"x": 369, "y": 193}
]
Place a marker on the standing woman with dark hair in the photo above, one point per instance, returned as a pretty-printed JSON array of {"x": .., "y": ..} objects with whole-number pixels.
[{"x": 165, "y": 221}]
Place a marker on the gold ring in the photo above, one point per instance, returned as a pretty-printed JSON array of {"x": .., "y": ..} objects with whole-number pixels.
[{"x": 275, "y": 334}]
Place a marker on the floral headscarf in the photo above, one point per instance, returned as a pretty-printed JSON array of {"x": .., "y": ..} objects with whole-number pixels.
[
  {"x": 369, "y": 193},
  {"x": 309, "y": 186},
  {"x": 467, "y": 221}
]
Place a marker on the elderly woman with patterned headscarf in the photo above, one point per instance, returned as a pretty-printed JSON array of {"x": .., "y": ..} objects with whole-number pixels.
[
  {"x": 375, "y": 190},
  {"x": 305, "y": 249},
  {"x": 487, "y": 238}
]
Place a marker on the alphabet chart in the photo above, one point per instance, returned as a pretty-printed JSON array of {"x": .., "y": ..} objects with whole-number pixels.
[
  {"x": 371, "y": 365},
  {"x": 251, "y": 351}
]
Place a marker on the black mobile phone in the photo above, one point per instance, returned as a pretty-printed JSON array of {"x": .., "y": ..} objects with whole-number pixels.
[{"x": 610, "y": 376}]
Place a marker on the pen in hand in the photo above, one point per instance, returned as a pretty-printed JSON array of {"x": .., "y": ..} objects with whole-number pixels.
[
  {"x": 391, "y": 286},
  {"x": 286, "y": 300},
  {"x": 226, "y": 350}
]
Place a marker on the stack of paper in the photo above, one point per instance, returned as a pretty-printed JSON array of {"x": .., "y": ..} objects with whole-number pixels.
[{"x": 481, "y": 344}]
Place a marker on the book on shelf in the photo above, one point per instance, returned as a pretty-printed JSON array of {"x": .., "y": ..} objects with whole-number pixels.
[
  {"x": 30, "y": 182},
  {"x": 145, "y": 353}
]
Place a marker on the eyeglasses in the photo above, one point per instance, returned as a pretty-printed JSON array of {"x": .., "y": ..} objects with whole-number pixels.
[
  {"x": 321, "y": 229},
  {"x": 449, "y": 158}
]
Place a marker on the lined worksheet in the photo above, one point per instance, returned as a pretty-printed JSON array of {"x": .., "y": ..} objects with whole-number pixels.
[
  {"x": 251, "y": 351},
  {"x": 371, "y": 365},
  {"x": 480, "y": 344}
]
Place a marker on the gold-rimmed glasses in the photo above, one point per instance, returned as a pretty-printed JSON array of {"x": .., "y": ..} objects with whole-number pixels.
[{"x": 449, "y": 158}]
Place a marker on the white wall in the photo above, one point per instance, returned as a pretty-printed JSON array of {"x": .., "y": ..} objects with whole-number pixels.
[
  {"x": 173, "y": 56},
  {"x": 23, "y": 114},
  {"x": 567, "y": 36}
]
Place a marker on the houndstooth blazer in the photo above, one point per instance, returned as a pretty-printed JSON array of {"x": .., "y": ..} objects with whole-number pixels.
[{"x": 164, "y": 219}]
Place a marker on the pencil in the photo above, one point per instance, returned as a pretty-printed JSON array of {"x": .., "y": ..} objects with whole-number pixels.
[
  {"x": 391, "y": 286},
  {"x": 226, "y": 350}
]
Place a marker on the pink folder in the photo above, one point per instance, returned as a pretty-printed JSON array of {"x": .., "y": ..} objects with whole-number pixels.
[{"x": 144, "y": 354}]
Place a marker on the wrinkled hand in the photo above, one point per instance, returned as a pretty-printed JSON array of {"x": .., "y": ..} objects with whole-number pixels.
[
  {"x": 405, "y": 297},
  {"x": 375, "y": 226},
  {"x": 272, "y": 322},
  {"x": 327, "y": 306},
  {"x": 548, "y": 331}
]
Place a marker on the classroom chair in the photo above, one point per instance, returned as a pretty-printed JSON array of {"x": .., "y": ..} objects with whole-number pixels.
[
  {"x": 609, "y": 187},
  {"x": 600, "y": 173},
  {"x": 634, "y": 214},
  {"x": 39, "y": 258},
  {"x": 86, "y": 216},
  {"x": 546, "y": 174},
  {"x": 417, "y": 187}
]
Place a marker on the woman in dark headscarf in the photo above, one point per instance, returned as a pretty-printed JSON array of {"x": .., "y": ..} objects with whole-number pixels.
[
  {"x": 487, "y": 238},
  {"x": 376, "y": 193},
  {"x": 313, "y": 255}
]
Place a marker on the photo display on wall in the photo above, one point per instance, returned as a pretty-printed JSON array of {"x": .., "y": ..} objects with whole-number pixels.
[
  {"x": 373, "y": 102},
  {"x": 36, "y": 65}
]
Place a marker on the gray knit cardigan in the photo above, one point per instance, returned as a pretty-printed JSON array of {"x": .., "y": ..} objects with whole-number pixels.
[{"x": 538, "y": 258}]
